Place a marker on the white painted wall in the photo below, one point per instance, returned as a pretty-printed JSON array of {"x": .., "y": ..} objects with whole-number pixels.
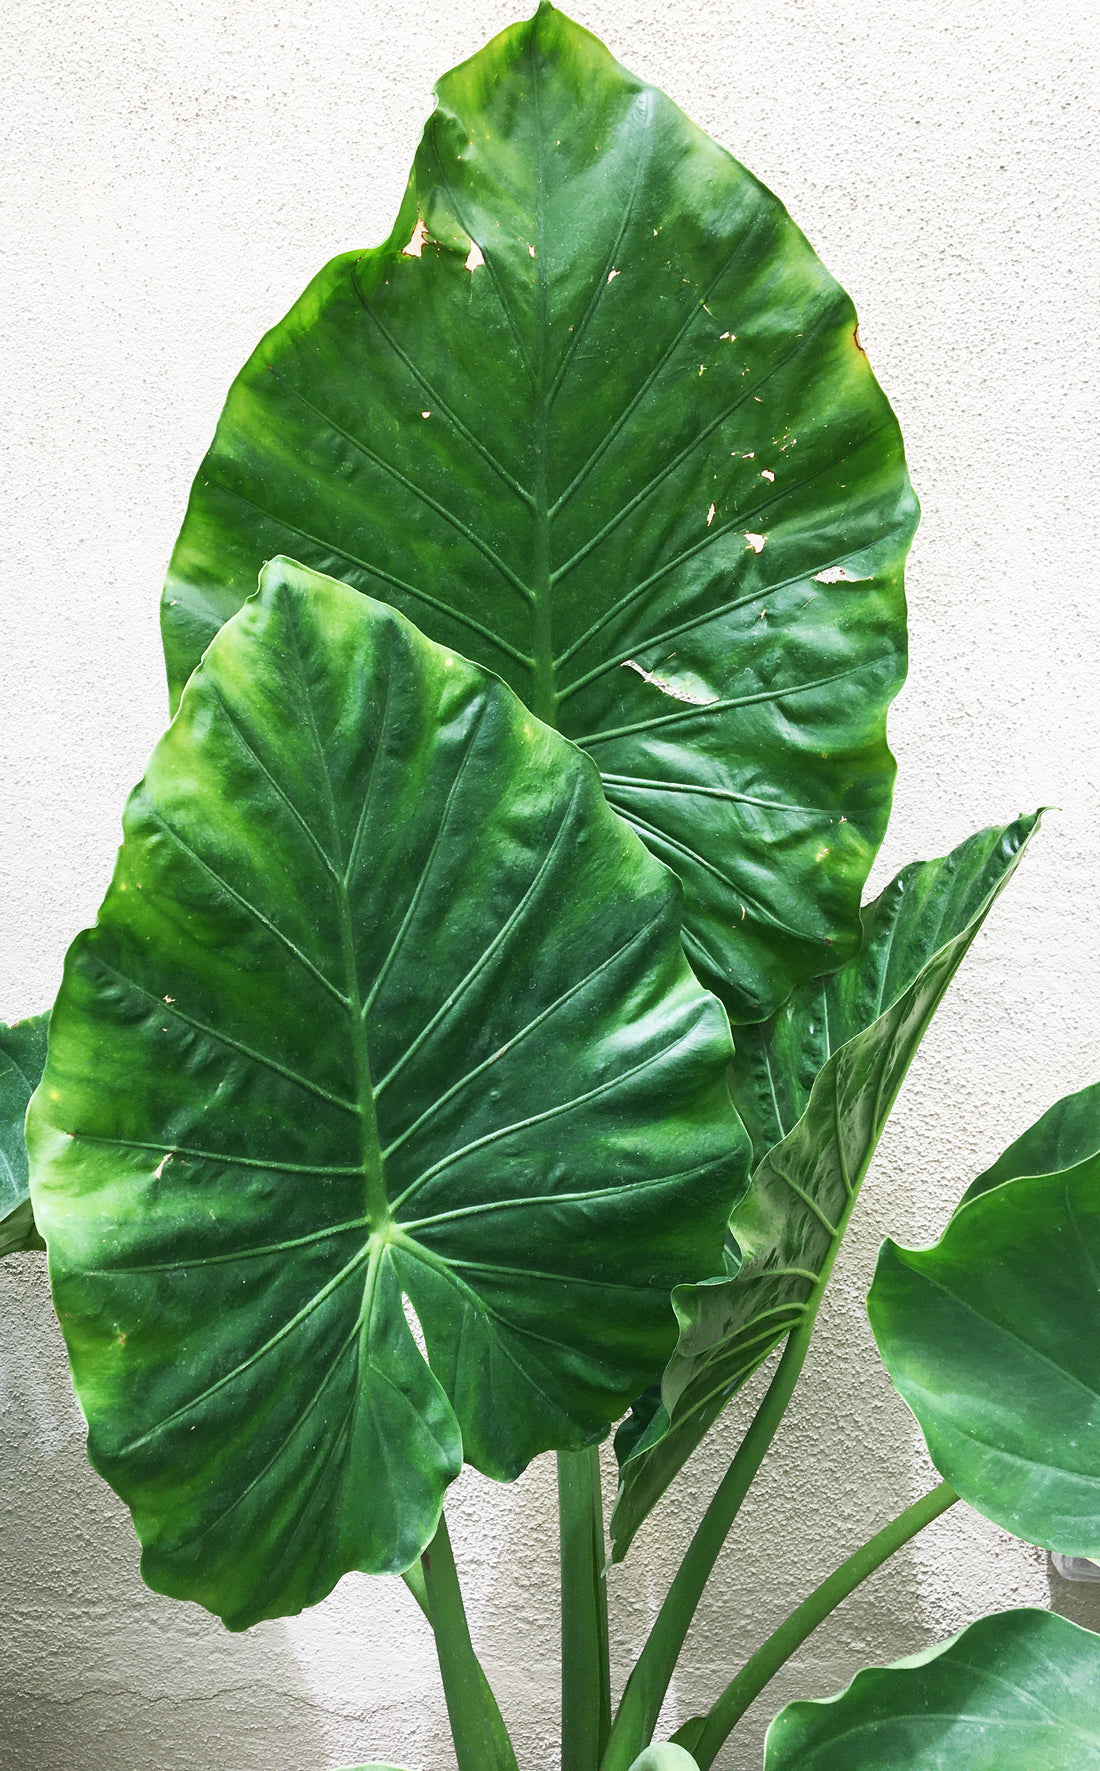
[{"x": 176, "y": 171}]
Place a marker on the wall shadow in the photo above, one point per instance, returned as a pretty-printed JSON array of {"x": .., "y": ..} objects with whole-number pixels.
[{"x": 97, "y": 1670}]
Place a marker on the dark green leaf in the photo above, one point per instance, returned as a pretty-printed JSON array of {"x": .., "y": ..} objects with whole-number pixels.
[
  {"x": 993, "y": 1339},
  {"x": 814, "y": 1087},
  {"x": 1018, "y": 1691},
  {"x": 596, "y": 416},
  {"x": 383, "y": 1003},
  {"x": 22, "y": 1056}
]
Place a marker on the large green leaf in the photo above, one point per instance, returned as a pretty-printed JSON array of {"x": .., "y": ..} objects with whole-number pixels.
[
  {"x": 1018, "y": 1691},
  {"x": 383, "y": 1003},
  {"x": 22, "y": 1056},
  {"x": 814, "y": 1087},
  {"x": 993, "y": 1339},
  {"x": 596, "y": 416}
]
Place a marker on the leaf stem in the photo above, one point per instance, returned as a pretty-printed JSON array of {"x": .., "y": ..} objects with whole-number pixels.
[
  {"x": 414, "y": 1580},
  {"x": 645, "y": 1689},
  {"x": 724, "y": 1716},
  {"x": 480, "y": 1738},
  {"x": 585, "y": 1669}
]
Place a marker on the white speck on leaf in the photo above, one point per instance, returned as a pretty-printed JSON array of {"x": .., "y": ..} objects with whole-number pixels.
[
  {"x": 756, "y": 542},
  {"x": 766, "y": 473},
  {"x": 425, "y": 415},
  {"x": 475, "y": 257},
  {"x": 162, "y": 1165},
  {"x": 838, "y": 575},
  {"x": 677, "y": 691},
  {"x": 710, "y": 516},
  {"x": 531, "y": 251},
  {"x": 611, "y": 275}
]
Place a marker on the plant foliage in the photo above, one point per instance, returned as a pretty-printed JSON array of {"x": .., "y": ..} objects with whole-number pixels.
[
  {"x": 22, "y": 1056},
  {"x": 322, "y": 1052},
  {"x": 384, "y": 1125},
  {"x": 596, "y": 416}
]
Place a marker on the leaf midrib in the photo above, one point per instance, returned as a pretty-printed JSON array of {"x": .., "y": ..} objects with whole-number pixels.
[
  {"x": 544, "y": 699},
  {"x": 376, "y": 1199}
]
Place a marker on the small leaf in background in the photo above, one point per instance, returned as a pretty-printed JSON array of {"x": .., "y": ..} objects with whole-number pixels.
[
  {"x": 1067, "y": 1133},
  {"x": 814, "y": 1087},
  {"x": 597, "y": 416},
  {"x": 383, "y": 1003},
  {"x": 1018, "y": 1691},
  {"x": 665, "y": 1756},
  {"x": 22, "y": 1056},
  {"x": 993, "y": 1339}
]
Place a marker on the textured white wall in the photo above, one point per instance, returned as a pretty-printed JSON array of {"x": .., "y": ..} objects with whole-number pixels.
[{"x": 176, "y": 171}]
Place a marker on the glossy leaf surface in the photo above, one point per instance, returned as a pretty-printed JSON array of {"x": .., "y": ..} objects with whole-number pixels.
[
  {"x": 814, "y": 1088},
  {"x": 22, "y": 1056},
  {"x": 993, "y": 1339},
  {"x": 596, "y": 416},
  {"x": 383, "y": 1003},
  {"x": 1018, "y": 1691}
]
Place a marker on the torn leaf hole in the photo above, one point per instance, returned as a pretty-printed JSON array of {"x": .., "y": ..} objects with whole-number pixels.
[{"x": 418, "y": 241}]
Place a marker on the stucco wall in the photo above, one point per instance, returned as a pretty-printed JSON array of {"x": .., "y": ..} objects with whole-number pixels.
[{"x": 175, "y": 173}]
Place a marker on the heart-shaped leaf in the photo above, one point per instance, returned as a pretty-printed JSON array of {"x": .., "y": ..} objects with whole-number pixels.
[
  {"x": 383, "y": 1002},
  {"x": 1018, "y": 1691},
  {"x": 993, "y": 1339},
  {"x": 814, "y": 1087},
  {"x": 596, "y": 415},
  {"x": 22, "y": 1056}
]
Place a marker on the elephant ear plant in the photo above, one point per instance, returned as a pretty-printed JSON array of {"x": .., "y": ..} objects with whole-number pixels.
[{"x": 391, "y": 1118}]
